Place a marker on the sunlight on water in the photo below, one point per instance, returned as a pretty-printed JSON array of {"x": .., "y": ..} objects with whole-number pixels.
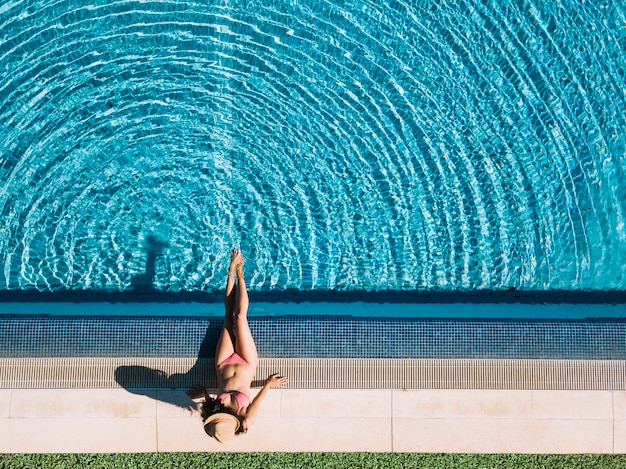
[{"x": 467, "y": 145}]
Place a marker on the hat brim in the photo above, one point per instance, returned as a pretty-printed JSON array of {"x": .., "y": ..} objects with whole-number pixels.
[{"x": 214, "y": 423}]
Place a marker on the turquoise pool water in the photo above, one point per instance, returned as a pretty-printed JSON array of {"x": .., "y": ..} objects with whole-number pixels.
[{"x": 342, "y": 145}]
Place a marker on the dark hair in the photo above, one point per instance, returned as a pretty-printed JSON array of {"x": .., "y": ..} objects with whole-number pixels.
[{"x": 210, "y": 406}]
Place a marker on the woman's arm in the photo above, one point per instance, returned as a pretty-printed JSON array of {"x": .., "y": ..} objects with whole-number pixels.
[{"x": 273, "y": 381}]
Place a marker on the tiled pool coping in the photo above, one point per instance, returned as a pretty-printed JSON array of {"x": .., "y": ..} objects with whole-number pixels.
[
  {"x": 26, "y": 336},
  {"x": 39, "y": 351}
]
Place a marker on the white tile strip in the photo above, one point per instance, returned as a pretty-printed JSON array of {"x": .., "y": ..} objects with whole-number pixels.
[{"x": 319, "y": 373}]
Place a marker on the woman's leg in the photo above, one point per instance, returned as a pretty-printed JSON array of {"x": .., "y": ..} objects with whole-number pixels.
[
  {"x": 226, "y": 342},
  {"x": 244, "y": 343}
]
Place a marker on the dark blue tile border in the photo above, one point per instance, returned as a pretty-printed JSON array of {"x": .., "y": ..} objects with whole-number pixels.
[
  {"x": 318, "y": 336},
  {"x": 150, "y": 295}
]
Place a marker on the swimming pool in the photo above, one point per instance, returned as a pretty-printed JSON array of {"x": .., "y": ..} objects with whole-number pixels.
[
  {"x": 361, "y": 146},
  {"x": 429, "y": 196}
]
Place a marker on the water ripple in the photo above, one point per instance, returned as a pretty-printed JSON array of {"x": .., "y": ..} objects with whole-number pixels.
[{"x": 360, "y": 145}]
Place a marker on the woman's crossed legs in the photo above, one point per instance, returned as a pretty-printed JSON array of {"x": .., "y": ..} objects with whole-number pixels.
[{"x": 236, "y": 336}]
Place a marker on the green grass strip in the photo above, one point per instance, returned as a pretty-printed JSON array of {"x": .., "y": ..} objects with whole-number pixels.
[{"x": 309, "y": 461}]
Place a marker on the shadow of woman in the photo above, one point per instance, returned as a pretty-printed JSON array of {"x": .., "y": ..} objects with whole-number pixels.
[
  {"x": 154, "y": 249},
  {"x": 158, "y": 385}
]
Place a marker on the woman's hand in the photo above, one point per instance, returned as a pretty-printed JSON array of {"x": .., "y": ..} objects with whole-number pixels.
[{"x": 276, "y": 380}]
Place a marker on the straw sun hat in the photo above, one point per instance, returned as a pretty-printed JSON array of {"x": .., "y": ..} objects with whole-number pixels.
[{"x": 221, "y": 426}]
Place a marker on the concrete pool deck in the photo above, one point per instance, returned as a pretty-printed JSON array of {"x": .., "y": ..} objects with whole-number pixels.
[
  {"x": 54, "y": 402},
  {"x": 335, "y": 420}
]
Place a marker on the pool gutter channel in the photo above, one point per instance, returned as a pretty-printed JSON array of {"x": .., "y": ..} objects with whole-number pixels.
[{"x": 318, "y": 373}]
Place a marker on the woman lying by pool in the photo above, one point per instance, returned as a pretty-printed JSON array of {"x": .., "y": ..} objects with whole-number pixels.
[{"x": 232, "y": 412}]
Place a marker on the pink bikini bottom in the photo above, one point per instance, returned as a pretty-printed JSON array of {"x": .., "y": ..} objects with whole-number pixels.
[{"x": 234, "y": 358}]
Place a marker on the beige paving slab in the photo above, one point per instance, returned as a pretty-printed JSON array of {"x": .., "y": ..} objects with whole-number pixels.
[
  {"x": 619, "y": 405},
  {"x": 288, "y": 421},
  {"x": 117, "y": 420},
  {"x": 336, "y": 403},
  {"x": 175, "y": 403},
  {"x": 324, "y": 434},
  {"x": 461, "y": 403},
  {"x": 77, "y": 435},
  {"x": 5, "y": 402},
  {"x": 503, "y": 436},
  {"x": 80, "y": 403},
  {"x": 572, "y": 404},
  {"x": 272, "y": 403},
  {"x": 619, "y": 441},
  {"x": 175, "y": 434},
  {"x": 282, "y": 434}
]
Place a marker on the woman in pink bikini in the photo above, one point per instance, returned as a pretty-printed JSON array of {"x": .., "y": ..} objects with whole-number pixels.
[{"x": 232, "y": 411}]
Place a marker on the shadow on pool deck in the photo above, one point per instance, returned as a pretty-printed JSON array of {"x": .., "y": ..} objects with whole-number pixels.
[{"x": 139, "y": 379}]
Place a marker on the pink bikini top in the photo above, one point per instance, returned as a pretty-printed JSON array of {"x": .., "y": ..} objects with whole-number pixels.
[{"x": 241, "y": 397}]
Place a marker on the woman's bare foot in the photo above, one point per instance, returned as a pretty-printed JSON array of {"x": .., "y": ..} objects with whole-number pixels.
[
  {"x": 240, "y": 265},
  {"x": 236, "y": 261}
]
